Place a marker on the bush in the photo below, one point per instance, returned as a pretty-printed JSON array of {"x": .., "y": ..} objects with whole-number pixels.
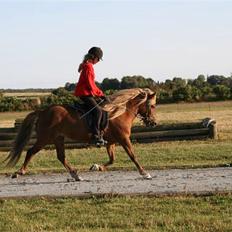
[
  {"x": 17, "y": 104},
  {"x": 10, "y": 104},
  {"x": 222, "y": 92},
  {"x": 66, "y": 99},
  {"x": 164, "y": 96}
]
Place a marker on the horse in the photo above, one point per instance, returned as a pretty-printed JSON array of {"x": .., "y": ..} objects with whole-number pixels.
[{"x": 57, "y": 122}]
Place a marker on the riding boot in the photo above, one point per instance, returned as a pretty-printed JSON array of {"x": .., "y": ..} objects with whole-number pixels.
[
  {"x": 98, "y": 140},
  {"x": 104, "y": 142}
]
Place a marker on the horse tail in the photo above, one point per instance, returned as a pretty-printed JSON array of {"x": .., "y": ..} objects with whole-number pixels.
[{"x": 21, "y": 139}]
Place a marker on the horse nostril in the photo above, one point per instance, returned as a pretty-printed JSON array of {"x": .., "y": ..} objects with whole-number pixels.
[{"x": 154, "y": 124}]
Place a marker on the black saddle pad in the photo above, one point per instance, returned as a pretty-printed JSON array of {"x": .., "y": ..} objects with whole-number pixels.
[{"x": 88, "y": 117}]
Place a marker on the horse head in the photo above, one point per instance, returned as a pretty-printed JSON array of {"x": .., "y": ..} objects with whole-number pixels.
[{"x": 147, "y": 109}]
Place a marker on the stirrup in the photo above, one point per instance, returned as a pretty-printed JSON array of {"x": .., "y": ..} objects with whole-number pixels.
[
  {"x": 98, "y": 141},
  {"x": 101, "y": 142}
]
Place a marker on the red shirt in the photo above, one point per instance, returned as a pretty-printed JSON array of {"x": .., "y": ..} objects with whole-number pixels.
[{"x": 86, "y": 85}]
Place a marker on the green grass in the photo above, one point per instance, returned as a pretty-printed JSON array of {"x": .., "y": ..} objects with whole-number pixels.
[
  {"x": 156, "y": 155},
  {"x": 193, "y": 214},
  {"x": 132, "y": 214},
  {"x": 179, "y": 154}
]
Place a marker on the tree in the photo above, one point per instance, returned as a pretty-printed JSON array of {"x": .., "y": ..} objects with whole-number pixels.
[
  {"x": 129, "y": 82},
  {"x": 150, "y": 83},
  {"x": 60, "y": 92},
  {"x": 70, "y": 86},
  {"x": 178, "y": 82},
  {"x": 108, "y": 84},
  {"x": 222, "y": 92},
  {"x": 215, "y": 79},
  {"x": 183, "y": 94},
  {"x": 164, "y": 96},
  {"x": 199, "y": 82},
  {"x": 207, "y": 93},
  {"x": 136, "y": 82}
]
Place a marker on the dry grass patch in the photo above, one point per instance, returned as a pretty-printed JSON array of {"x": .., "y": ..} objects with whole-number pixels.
[
  {"x": 7, "y": 119},
  {"x": 220, "y": 111},
  {"x": 26, "y": 94}
]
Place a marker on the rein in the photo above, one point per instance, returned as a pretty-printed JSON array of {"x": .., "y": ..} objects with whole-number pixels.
[{"x": 82, "y": 116}]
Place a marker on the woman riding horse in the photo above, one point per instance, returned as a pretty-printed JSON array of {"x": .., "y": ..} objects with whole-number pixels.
[
  {"x": 87, "y": 90},
  {"x": 57, "y": 122}
]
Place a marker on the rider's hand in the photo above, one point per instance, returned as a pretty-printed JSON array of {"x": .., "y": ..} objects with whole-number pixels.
[{"x": 105, "y": 98}]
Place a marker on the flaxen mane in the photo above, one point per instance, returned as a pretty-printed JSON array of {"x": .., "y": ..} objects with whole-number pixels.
[{"x": 119, "y": 100}]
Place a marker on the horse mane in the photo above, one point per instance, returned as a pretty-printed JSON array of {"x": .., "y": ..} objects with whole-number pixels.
[{"x": 119, "y": 100}]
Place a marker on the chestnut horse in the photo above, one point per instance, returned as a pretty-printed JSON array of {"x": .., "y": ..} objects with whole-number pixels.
[{"x": 56, "y": 122}]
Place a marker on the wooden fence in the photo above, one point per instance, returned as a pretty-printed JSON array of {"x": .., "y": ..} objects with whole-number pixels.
[{"x": 204, "y": 129}]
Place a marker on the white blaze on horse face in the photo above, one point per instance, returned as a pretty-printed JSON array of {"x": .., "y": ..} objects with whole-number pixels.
[
  {"x": 152, "y": 109},
  {"x": 153, "y": 100}
]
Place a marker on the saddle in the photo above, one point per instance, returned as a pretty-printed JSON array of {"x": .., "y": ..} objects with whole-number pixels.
[{"x": 88, "y": 117}]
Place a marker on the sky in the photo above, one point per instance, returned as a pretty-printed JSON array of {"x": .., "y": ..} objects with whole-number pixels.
[{"x": 42, "y": 42}]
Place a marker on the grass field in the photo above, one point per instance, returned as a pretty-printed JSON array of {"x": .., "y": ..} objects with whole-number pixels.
[
  {"x": 7, "y": 119},
  {"x": 180, "y": 214},
  {"x": 157, "y": 155},
  {"x": 25, "y": 94},
  {"x": 205, "y": 214},
  {"x": 182, "y": 154}
]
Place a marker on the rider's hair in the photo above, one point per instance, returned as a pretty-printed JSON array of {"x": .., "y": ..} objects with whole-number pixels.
[{"x": 85, "y": 59}]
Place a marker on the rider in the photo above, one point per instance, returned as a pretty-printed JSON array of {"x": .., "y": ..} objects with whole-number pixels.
[{"x": 87, "y": 90}]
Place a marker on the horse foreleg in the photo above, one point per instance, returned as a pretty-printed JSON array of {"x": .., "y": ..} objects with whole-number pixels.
[
  {"x": 126, "y": 143},
  {"x": 30, "y": 153},
  {"x": 59, "y": 144}
]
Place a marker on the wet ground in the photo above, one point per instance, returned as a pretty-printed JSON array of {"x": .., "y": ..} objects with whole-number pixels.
[{"x": 164, "y": 182}]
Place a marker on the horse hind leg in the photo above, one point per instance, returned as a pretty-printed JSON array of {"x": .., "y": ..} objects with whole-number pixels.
[
  {"x": 111, "y": 153},
  {"x": 60, "y": 151},
  {"x": 30, "y": 153}
]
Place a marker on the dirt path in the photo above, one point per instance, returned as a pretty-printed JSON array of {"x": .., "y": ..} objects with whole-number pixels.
[{"x": 164, "y": 182}]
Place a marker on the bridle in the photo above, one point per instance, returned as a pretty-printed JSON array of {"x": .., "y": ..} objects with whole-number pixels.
[{"x": 144, "y": 118}]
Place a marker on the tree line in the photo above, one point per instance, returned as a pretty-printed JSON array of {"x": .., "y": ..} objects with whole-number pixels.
[{"x": 210, "y": 88}]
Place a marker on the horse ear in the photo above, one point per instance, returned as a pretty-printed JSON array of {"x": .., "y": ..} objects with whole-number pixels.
[
  {"x": 139, "y": 98},
  {"x": 152, "y": 96},
  {"x": 142, "y": 95}
]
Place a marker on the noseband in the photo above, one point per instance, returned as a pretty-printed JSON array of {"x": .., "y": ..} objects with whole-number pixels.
[{"x": 145, "y": 118}]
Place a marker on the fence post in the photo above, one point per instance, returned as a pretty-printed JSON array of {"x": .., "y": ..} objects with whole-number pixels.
[
  {"x": 212, "y": 125},
  {"x": 213, "y": 130}
]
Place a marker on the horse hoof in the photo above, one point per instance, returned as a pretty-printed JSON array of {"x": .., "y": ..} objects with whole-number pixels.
[
  {"x": 75, "y": 176},
  {"x": 95, "y": 167},
  {"x": 78, "y": 178},
  {"x": 15, "y": 175},
  {"x": 147, "y": 176}
]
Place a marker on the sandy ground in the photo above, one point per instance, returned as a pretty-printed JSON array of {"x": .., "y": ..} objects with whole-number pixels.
[{"x": 164, "y": 182}]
